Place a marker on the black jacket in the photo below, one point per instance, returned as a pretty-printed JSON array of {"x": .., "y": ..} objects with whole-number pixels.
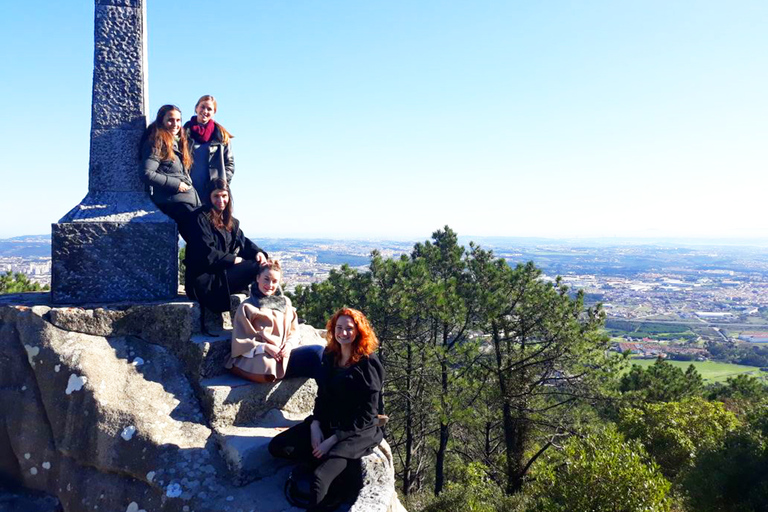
[
  {"x": 164, "y": 176},
  {"x": 210, "y": 252},
  {"x": 347, "y": 404}
]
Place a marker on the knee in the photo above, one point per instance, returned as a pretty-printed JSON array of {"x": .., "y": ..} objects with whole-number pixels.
[{"x": 276, "y": 448}]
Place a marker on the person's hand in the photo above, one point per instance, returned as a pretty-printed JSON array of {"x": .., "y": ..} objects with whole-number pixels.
[
  {"x": 238, "y": 259},
  {"x": 316, "y": 435},
  {"x": 323, "y": 448},
  {"x": 183, "y": 187},
  {"x": 272, "y": 351},
  {"x": 261, "y": 259},
  {"x": 284, "y": 351}
]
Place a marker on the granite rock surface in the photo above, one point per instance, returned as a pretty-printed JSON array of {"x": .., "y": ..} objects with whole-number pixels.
[{"x": 118, "y": 420}]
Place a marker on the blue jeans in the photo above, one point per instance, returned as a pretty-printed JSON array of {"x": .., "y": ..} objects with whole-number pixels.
[{"x": 304, "y": 361}]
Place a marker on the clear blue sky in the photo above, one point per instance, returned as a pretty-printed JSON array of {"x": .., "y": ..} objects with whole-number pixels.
[{"x": 390, "y": 118}]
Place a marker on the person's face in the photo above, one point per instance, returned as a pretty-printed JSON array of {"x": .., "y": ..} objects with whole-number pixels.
[
  {"x": 205, "y": 111},
  {"x": 346, "y": 330},
  {"x": 172, "y": 121},
  {"x": 220, "y": 199},
  {"x": 268, "y": 282}
]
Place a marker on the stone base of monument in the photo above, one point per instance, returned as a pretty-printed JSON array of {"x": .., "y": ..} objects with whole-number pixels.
[
  {"x": 114, "y": 247},
  {"x": 128, "y": 408}
]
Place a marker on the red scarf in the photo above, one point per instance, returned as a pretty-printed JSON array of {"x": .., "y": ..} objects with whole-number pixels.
[{"x": 200, "y": 132}]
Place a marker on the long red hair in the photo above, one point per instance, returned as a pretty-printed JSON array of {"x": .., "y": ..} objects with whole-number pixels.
[{"x": 365, "y": 343}]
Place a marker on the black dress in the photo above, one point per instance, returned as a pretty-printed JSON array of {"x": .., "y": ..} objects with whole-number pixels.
[{"x": 211, "y": 275}]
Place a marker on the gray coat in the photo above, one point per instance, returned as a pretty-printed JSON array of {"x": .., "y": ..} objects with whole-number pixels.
[
  {"x": 213, "y": 159},
  {"x": 164, "y": 177}
]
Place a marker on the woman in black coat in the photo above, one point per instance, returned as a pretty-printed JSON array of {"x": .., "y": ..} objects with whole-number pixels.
[
  {"x": 166, "y": 157},
  {"x": 219, "y": 259},
  {"x": 344, "y": 425}
]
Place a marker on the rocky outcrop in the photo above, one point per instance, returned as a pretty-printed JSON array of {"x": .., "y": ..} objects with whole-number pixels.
[
  {"x": 27, "y": 501},
  {"x": 127, "y": 409}
]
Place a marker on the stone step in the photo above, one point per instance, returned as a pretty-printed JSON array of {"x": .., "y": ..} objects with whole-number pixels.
[
  {"x": 228, "y": 400},
  {"x": 206, "y": 354},
  {"x": 245, "y": 450}
]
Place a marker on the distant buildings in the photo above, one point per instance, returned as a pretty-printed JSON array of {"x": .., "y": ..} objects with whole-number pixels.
[
  {"x": 651, "y": 350},
  {"x": 755, "y": 337},
  {"x": 38, "y": 269}
]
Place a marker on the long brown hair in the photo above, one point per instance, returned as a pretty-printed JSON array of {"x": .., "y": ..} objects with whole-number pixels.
[
  {"x": 225, "y": 135},
  {"x": 365, "y": 343},
  {"x": 161, "y": 139},
  {"x": 221, "y": 219}
]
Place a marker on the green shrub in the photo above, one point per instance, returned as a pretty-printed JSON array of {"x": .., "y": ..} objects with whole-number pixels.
[
  {"x": 675, "y": 432},
  {"x": 600, "y": 472}
]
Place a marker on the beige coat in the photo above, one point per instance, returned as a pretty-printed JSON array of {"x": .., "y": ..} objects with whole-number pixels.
[{"x": 260, "y": 322}]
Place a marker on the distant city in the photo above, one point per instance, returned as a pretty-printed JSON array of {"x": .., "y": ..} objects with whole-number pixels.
[{"x": 712, "y": 292}]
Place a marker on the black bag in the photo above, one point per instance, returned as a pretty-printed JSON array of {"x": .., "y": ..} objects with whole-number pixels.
[{"x": 298, "y": 486}]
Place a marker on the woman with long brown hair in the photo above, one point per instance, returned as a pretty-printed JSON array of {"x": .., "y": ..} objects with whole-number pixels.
[
  {"x": 344, "y": 425},
  {"x": 166, "y": 159},
  {"x": 210, "y": 146},
  {"x": 220, "y": 259}
]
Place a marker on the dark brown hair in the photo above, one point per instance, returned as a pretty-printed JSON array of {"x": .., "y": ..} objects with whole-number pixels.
[
  {"x": 221, "y": 219},
  {"x": 161, "y": 139}
]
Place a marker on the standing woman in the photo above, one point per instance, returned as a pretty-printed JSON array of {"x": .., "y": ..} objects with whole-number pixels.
[
  {"x": 343, "y": 426},
  {"x": 166, "y": 159},
  {"x": 219, "y": 259},
  {"x": 210, "y": 145}
]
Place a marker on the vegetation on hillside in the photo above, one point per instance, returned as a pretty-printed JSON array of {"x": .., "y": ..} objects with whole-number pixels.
[
  {"x": 750, "y": 354},
  {"x": 503, "y": 396},
  {"x": 16, "y": 282}
]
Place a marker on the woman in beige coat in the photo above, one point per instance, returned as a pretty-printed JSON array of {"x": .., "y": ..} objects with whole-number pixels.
[{"x": 265, "y": 330}]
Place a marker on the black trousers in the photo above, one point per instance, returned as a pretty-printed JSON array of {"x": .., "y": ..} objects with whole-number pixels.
[
  {"x": 180, "y": 213},
  {"x": 240, "y": 275},
  {"x": 295, "y": 444}
]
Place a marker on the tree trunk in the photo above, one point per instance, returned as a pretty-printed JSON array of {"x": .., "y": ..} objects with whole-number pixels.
[
  {"x": 440, "y": 463},
  {"x": 515, "y": 432},
  {"x": 407, "y": 469},
  {"x": 444, "y": 433}
]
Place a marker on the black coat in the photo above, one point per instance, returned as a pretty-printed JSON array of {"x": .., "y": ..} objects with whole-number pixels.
[
  {"x": 164, "y": 176},
  {"x": 210, "y": 252},
  {"x": 347, "y": 404}
]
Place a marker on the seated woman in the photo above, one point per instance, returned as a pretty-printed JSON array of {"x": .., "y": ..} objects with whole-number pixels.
[
  {"x": 220, "y": 260},
  {"x": 210, "y": 146},
  {"x": 344, "y": 425},
  {"x": 265, "y": 329},
  {"x": 166, "y": 158}
]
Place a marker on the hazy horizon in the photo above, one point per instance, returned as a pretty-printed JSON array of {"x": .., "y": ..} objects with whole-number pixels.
[
  {"x": 388, "y": 119},
  {"x": 465, "y": 239}
]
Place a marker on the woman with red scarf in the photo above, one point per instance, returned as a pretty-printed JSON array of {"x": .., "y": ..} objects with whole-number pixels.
[{"x": 211, "y": 148}]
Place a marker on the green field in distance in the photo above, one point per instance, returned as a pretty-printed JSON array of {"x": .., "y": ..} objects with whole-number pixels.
[{"x": 711, "y": 371}]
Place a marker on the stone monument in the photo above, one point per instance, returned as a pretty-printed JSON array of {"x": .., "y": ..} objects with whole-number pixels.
[{"x": 116, "y": 246}]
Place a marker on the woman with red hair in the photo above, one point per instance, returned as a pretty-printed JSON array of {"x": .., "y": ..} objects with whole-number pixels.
[{"x": 344, "y": 425}]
